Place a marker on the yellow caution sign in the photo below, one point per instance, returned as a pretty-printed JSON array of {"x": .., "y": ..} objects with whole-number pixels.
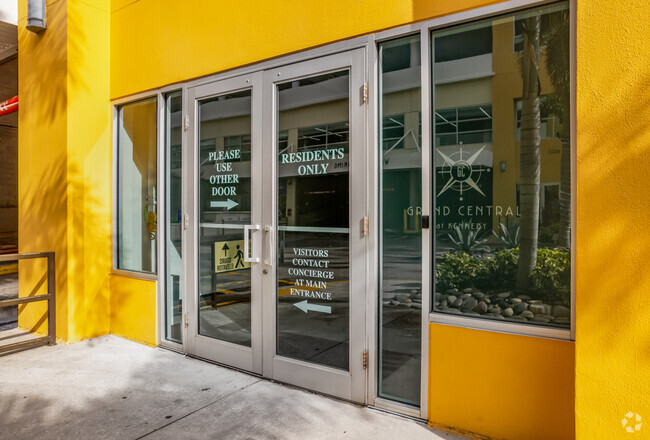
[{"x": 229, "y": 255}]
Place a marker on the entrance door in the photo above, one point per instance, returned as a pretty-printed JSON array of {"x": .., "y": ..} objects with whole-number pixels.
[
  {"x": 314, "y": 210},
  {"x": 226, "y": 187},
  {"x": 278, "y": 244}
]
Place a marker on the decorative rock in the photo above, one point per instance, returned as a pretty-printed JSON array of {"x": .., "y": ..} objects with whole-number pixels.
[
  {"x": 527, "y": 314},
  {"x": 535, "y": 301},
  {"x": 487, "y": 300},
  {"x": 520, "y": 307},
  {"x": 481, "y": 307},
  {"x": 468, "y": 290},
  {"x": 538, "y": 319},
  {"x": 508, "y": 311},
  {"x": 494, "y": 310},
  {"x": 478, "y": 295},
  {"x": 439, "y": 296},
  {"x": 451, "y": 299},
  {"x": 415, "y": 305},
  {"x": 466, "y": 295},
  {"x": 457, "y": 303},
  {"x": 417, "y": 296},
  {"x": 503, "y": 295},
  {"x": 443, "y": 303},
  {"x": 540, "y": 308},
  {"x": 453, "y": 311},
  {"x": 562, "y": 321},
  {"x": 468, "y": 304},
  {"x": 515, "y": 300},
  {"x": 561, "y": 312},
  {"x": 524, "y": 297},
  {"x": 407, "y": 301},
  {"x": 451, "y": 291},
  {"x": 549, "y": 317},
  {"x": 394, "y": 303},
  {"x": 517, "y": 318},
  {"x": 419, "y": 301}
]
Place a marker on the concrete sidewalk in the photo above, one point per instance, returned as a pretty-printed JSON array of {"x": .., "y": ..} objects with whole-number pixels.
[{"x": 111, "y": 388}]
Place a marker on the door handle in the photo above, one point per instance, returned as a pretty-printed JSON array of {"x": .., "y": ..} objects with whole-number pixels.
[
  {"x": 268, "y": 230},
  {"x": 247, "y": 229}
]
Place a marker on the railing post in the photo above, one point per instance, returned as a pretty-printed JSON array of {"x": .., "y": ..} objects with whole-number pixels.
[{"x": 51, "y": 302}]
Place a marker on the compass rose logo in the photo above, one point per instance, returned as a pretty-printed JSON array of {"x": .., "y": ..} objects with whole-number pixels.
[{"x": 460, "y": 172}]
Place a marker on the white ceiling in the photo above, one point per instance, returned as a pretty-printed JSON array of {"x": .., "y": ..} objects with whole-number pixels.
[
  {"x": 8, "y": 30},
  {"x": 9, "y": 11}
]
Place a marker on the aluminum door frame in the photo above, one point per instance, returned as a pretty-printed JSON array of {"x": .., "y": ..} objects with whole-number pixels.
[
  {"x": 350, "y": 385},
  {"x": 234, "y": 355}
]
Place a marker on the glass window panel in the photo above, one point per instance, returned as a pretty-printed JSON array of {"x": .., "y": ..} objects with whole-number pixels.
[
  {"x": 224, "y": 208},
  {"x": 401, "y": 200},
  {"x": 502, "y": 244},
  {"x": 136, "y": 187},
  {"x": 173, "y": 216},
  {"x": 313, "y": 291}
]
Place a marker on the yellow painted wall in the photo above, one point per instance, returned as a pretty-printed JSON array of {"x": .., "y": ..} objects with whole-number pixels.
[
  {"x": 501, "y": 386},
  {"x": 159, "y": 42},
  {"x": 42, "y": 168},
  {"x": 133, "y": 309},
  {"x": 64, "y": 163},
  {"x": 613, "y": 243}
]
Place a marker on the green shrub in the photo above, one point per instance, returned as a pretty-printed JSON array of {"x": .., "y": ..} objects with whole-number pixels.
[
  {"x": 460, "y": 270},
  {"x": 508, "y": 233},
  {"x": 548, "y": 234},
  {"x": 503, "y": 269},
  {"x": 467, "y": 240},
  {"x": 552, "y": 275}
]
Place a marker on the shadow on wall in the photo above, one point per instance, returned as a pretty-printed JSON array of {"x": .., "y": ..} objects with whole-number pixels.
[
  {"x": 64, "y": 164},
  {"x": 613, "y": 239}
]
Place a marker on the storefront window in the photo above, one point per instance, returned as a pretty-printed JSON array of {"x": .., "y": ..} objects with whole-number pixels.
[
  {"x": 173, "y": 216},
  {"x": 136, "y": 187},
  {"x": 401, "y": 209},
  {"x": 502, "y": 161}
]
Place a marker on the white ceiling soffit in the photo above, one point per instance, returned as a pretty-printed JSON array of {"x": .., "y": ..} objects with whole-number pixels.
[
  {"x": 9, "y": 11},
  {"x": 8, "y": 29}
]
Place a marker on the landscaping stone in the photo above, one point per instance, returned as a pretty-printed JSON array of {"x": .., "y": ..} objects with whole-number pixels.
[
  {"x": 540, "y": 308},
  {"x": 457, "y": 303},
  {"x": 481, "y": 307},
  {"x": 451, "y": 299},
  {"x": 520, "y": 307},
  {"x": 468, "y": 304},
  {"x": 503, "y": 295},
  {"x": 561, "y": 312},
  {"x": 508, "y": 311}
]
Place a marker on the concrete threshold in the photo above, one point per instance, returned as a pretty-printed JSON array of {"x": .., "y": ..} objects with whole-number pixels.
[{"x": 111, "y": 388}]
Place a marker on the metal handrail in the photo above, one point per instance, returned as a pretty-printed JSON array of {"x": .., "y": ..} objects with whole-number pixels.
[{"x": 50, "y": 297}]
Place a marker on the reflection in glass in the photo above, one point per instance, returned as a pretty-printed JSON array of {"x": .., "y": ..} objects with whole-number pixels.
[
  {"x": 401, "y": 198},
  {"x": 136, "y": 187},
  {"x": 173, "y": 216},
  {"x": 502, "y": 169},
  {"x": 313, "y": 220},
  {"x": 224, "y": 208}
]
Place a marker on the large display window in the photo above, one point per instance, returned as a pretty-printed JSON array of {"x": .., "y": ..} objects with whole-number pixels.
[{"x": 502, "y": 168}]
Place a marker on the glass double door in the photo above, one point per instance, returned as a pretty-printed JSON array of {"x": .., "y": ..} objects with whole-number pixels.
[{"x": 277, "y": 248}]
